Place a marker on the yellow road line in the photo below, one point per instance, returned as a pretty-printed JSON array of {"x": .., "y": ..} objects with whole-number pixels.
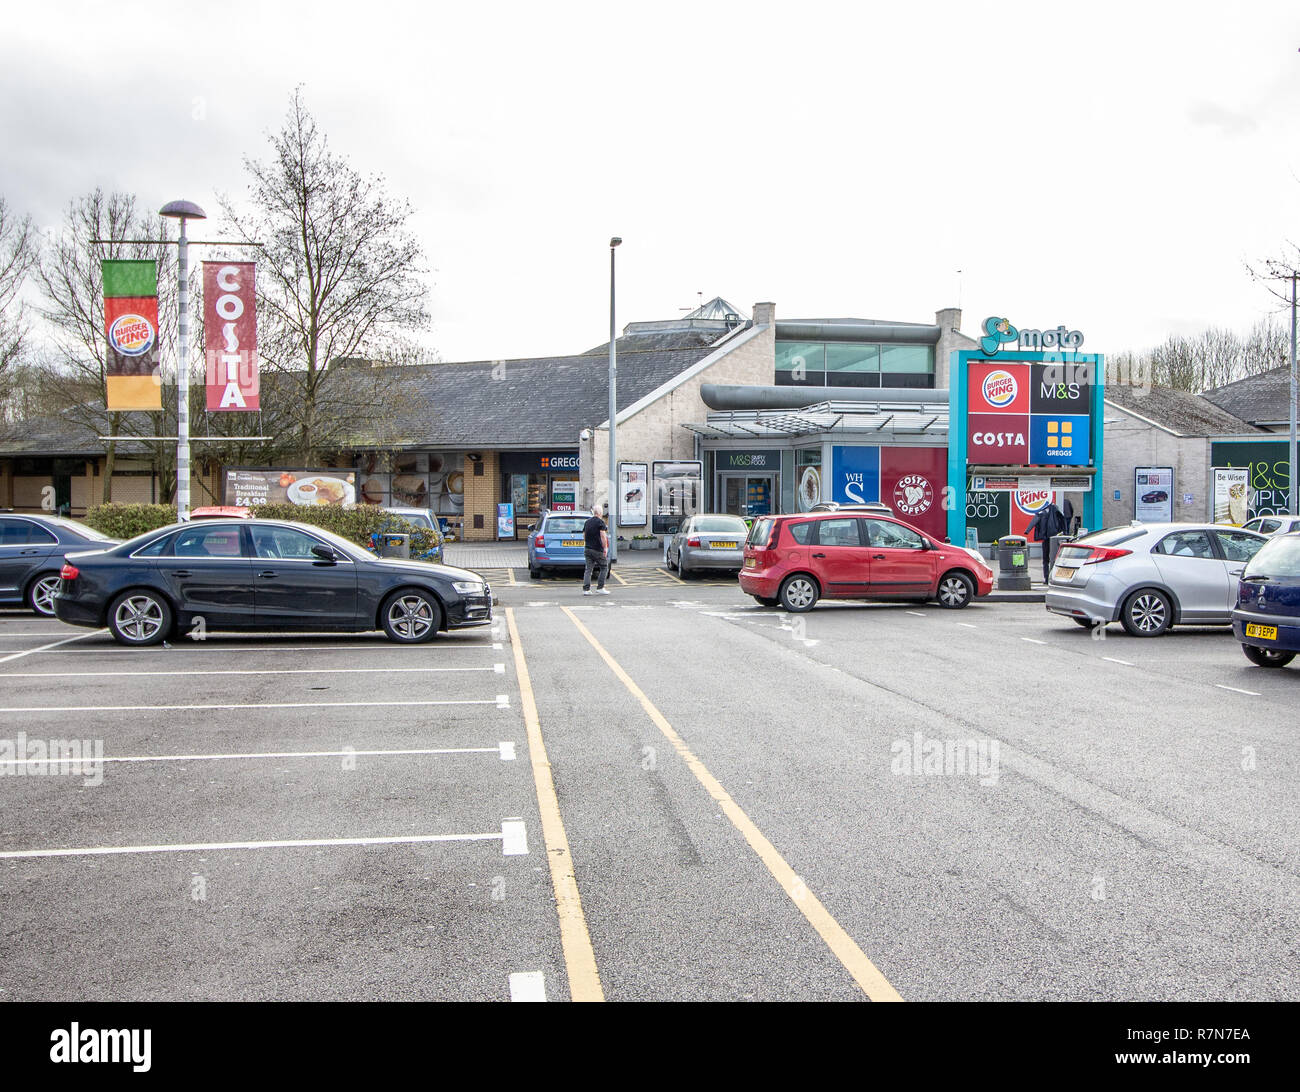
[
  {"x": 579, "y": 958},
  {"x": 616, "y": 576},
  {"x": 510, "y": 575},
  {"x": 670, "y": 575},
  {"x": 865, "y": 973}
]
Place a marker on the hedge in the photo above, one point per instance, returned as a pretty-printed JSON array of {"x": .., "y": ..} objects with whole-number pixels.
[
  {"x": 128, "y": 520},
  {"x": 356, "y": 524}
]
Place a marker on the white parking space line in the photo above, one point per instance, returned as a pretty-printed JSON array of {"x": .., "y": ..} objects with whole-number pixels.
[
  {"x": 46, "y": 648},
  {"x": 32, "y": 633},
  {"x": 917, "y": 613},
  {"x": 1238, "y": 690},
  {"x": 968, "y": 625},
  {"x": 510, "y": 839},
  {"x": 528, "y": 986},
  {"x": 507, "y": 751},
  {"x": 1112, "y": 659},
  {"x": 1032, "y": 641},
  {"x": 499, "y": 749},
  {"x": 208, "y": 646},
  {"x": 500, "y": 698},
  {"x": 496, "y": 669}
]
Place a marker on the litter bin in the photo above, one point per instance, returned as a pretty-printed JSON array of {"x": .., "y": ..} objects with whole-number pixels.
[
  {"x": 394, "y": 545},
  {"x": 1013, "y": 563}
]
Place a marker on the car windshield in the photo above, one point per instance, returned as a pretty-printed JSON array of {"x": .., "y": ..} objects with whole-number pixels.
[
  {"x": 1279, "y": 557},
  {"x": 720, "y": 525},
  {"x": 420, "y": 519}
]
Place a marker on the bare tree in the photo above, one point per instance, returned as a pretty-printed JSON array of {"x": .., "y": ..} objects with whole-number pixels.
[
  {"x": 17, "y": 259},
  {"x": 339, "y": 278},
  {"x": 73, "y": 306}
]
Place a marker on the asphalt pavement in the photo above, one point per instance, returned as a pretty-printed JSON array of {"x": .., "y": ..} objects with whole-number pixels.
[{"x": 668, "y": 793}]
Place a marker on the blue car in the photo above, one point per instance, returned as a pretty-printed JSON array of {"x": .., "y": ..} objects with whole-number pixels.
[
  {"x": 557, "y": 542},
  {"x": 1267, "y": 618}
]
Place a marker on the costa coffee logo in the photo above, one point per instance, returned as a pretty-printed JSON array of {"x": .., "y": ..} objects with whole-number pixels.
[
  {"x": 131, "y": 335},
  {"x": 1000, "y": 389},
  {"x": 913, "y": 495}
]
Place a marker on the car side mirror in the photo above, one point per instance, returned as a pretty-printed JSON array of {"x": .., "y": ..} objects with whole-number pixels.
[{"x": 325, "y": 553}]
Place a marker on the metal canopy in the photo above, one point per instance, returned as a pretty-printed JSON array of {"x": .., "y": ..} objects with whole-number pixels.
[{"x": 834, "y": 417}]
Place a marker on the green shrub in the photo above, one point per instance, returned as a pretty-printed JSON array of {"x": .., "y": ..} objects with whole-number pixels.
[
  {"x": 128, "y": 520},
  {"x": 356, "y": 524}
]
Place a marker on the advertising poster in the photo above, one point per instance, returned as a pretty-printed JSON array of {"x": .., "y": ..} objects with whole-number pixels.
[
  {"x": 912, "y": 481},
  {"x": 505, "y": 520},
  {"x": 230, "y": 336},
  {"x": 419, "y": 479},
  {"x": 633, "y": 494},
  {"x": 1270, "y": 472},
  {"x": 1153, "y": 494},
  {"x": 807, "y": 478},
  {"x": 132, "y": 379},
  {"x": 1231, "y": 495},
  {"x": 564, "y": 495},
  {"x": 677, "y": 488},
  {"x": 993, "y": 513},
  {"x": 1028, "y": 414},
  {"x": 249, "y": 486},
  {"x": 855, "y": 474}
]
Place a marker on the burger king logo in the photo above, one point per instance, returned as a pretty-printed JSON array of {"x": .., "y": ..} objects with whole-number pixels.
[
  {"x": 913, "y": 495},
  {"x": 1030, "y": 502},
  {"x": 131, "y": 335},
  {"x": 1000, "y": 389}
]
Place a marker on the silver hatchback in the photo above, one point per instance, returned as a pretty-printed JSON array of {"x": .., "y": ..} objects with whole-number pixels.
[
  {"x": 708, "y": 541},
  {"x": 1152, "y": 576}
]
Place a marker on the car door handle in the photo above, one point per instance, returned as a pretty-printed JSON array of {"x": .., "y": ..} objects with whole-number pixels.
[
  {"x": 877, "y": 557},
  {"x": 819, "y": 555},
  {"x": 268, "y": 574},
  {"x": 1236, "y": 572},
  {"x": 181, "y": 572}
]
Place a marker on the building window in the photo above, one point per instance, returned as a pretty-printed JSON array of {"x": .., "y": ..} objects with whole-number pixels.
[
  {"x": 800, "y": 362},
  {"x": 853, "y": 364},
  {"x": 906, "y": 366}
]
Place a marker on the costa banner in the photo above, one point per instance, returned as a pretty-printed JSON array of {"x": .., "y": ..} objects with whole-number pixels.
[
  {"x": 132, "y": 379},
  {"x": 230, "y": 335}
]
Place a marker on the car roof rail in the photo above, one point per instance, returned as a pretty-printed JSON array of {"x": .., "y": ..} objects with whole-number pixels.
[{"x": 855, "y": 506}]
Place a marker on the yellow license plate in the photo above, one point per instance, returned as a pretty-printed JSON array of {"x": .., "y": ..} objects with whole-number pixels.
[
  {"x": 723, "y": 545},
  {"x": 751, "y": 563},
  {"x": 573, "y": 542},
  {"x": 1264, "y": 633},
  {"x": 1062, "y": 573}
]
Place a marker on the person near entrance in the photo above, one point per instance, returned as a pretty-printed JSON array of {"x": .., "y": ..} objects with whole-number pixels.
[
  {"x": 596, "y": 552},
  {"x": 1049, "y": 522}
]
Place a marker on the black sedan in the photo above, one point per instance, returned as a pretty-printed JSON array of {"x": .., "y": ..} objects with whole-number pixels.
[
  {"x": 31, "y": 551},
  {"x": 263, "y": 575}
]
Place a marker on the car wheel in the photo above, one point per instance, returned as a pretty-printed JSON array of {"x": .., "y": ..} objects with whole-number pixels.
[
  {"x": 799, "y": 594},
  {"x": 40, "y": 594},
  {"x": 956, "y": 590},
  {"x": 534, "y": 574},
  {"x": 682, "y": 570},
  {"x": 1267, "y": 657},
  {"x": 766, "y": 601},
  {"x": 410, "y": 617},
  {"x": 1147, "y": 613},
  {"x": 139, "y": 618}
]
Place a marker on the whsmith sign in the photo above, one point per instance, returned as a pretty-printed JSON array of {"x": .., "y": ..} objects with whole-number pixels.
[{"x": 998, "y": 332}]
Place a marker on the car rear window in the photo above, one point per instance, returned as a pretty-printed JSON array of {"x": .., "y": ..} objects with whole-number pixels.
[
  {"x": 758, "y": 534},
  {"x": 802, "y": 532},
  {"x": 1279, "y": 557},
  {"x": 1113, "y": 536},
  {"x": 721, "y": 525},
  {"x": 565, "y": 525}
]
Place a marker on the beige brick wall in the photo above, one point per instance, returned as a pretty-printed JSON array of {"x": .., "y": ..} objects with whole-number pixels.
[
  {"x": 481, "y": 493},
  {"x": 656, "y": 432},
  {"x": 28, "y": 491},
  {"x": 1131, "y": 442}
]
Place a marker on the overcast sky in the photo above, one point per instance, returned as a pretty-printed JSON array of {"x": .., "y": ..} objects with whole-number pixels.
[{"x": 1109, "y": 166}]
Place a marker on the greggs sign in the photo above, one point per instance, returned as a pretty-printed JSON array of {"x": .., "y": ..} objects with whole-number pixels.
[{"x": 230, "y": 335}]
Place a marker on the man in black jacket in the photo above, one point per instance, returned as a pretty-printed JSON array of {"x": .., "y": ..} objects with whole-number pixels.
[{"x": 1045, "y": 526}]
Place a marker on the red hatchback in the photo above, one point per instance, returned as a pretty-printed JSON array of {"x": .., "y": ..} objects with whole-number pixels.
[{"x": 792, "y": 561}]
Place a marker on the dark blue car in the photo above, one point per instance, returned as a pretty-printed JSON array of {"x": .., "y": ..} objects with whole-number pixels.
[
  {"x": 31, "y": 552},
  {"x": 1267, "y": 618}
]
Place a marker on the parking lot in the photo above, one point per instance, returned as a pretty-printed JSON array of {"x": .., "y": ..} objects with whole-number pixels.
[{"x": 745, "y": 800}]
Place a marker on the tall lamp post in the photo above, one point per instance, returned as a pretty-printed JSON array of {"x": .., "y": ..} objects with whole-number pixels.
[
  {"x": 613, "y": 413},
  {"x": 1291, "y": 489},
  {"x": 182, "y": 211}
]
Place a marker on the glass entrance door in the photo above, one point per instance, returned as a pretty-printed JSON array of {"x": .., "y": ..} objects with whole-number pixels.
[{"x": 748, "y": 494}]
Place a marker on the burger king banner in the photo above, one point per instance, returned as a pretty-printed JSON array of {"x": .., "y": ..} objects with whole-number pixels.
[
  {"x": 230, "y": 335},
  {"x": 131, "y": 375}
]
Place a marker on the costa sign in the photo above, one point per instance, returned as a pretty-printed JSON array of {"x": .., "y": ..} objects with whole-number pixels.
[{"x": 230, "y": 329}]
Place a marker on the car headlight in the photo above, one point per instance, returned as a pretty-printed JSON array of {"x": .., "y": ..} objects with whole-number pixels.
[{"x": 469, "y": 587}]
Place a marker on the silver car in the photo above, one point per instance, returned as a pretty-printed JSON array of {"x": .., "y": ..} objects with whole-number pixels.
[
  {"x": 1272, "y": 525},
  {"x": 1152, "y": 576},
  {"x": 708, "y": 540}
]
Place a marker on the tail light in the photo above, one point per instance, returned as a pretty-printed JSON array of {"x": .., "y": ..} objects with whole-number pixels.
[
  {"x": 1104, "y": 553},
  {"x": 693, "y": 542},
  {"x": 69, "y": 572},
  {"x": 540, "y": 541}
]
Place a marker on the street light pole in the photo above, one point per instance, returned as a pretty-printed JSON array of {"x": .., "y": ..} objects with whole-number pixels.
[
  {"x": 611, "y": 514},
  {"x": 183, "y": 210},
  {"x": 1291, "y": 490}
]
